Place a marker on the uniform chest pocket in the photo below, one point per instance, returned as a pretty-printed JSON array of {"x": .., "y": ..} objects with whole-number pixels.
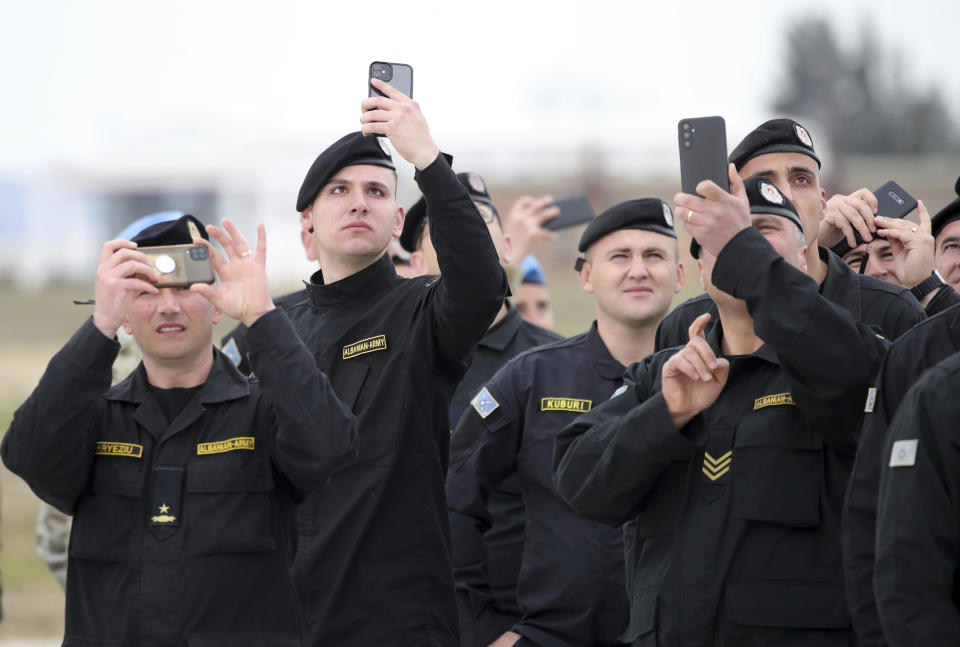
[
  {"x": 106, "y": 514},
  {"x": 777, "y": 469},
  {"x": 229, "y": 505},
  {"x": 348, "y": 382}
]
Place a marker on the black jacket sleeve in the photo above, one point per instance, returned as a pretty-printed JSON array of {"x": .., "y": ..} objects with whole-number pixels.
[
  {"x": 314, "y": 429},
  {"x": 830, "y": 359},
  {"x": 918, "y": 516},
  {"x": 483, "y": 451},
  {"x": 608, "y": 460},
  {"x": 945, "y": 297},
  {"x": 50, "y": 443},
  {"x": 472, "y": 284}
]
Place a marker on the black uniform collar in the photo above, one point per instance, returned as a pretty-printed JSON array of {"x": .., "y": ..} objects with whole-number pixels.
[
  {"x": 841, "y": 285},
  {"x": 370, "y": 280},
  {"x": 607, "y": 366},
  {"x": 715, "y": 335},
  {"x": 224, "y": 383},
  {"x": 503, "y": 332}
]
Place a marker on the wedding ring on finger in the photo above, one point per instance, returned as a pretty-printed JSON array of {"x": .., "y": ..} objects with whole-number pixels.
[
  {"x": 689, "y": 216},
  {"x": 914, "y": 230},
  {"x": 245, "y": 254}
]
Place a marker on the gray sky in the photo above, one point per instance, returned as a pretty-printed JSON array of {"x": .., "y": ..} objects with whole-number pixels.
[{"x": 78, "y": 76}]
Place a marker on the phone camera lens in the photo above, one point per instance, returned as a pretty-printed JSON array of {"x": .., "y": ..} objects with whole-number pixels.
[
  {"x": 687, "y": 143},
  {"x": 198, "y": 253},
  {"x": 686, "y": 135},
  {"x": 686, "y": 125},
  {"x": 382, "y": 71},
  {"x": 896, "y": 198}
]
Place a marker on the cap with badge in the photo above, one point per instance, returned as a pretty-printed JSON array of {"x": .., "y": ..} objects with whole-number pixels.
[
  {"x": 948, "y": 214},
  {"x": 417, "y": 215},
  {"x": 351, "y": 150},
  {"x": 774, "y": 136},
  {"x": 764, "y": 197},
  {"x": 181, "y": 231},
  {"x": 650, "y": 214}
]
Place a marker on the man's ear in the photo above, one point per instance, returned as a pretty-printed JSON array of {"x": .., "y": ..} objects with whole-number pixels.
[
  {"x": 307, "y": 240},
  {"x": 681, "y": 278},
  {"x": 803, "y": 257},
  {"x": 398, "y": 222},
  {"x": 306, "y": 220},
  {"x": 507, "y": 250},
  {"x": 126, "y": 326},
  {"x": 584, "y": 276}
]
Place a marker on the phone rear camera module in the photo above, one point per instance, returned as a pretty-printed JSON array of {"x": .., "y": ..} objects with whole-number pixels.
[
  {"x": 198, "y": 253},
  {"x": 686, "y": 125},
  {"x": 382, "y": 71},
  {"x": 895, "y": 197}
]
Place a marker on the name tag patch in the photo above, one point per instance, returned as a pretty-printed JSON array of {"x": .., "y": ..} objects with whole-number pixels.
[
  {"x": 871, "y": 400},
  {"x": 484, "y": 403},
  {"x": 775, "y": 400},
  {"x": 223, "y": 446},
  {"x": 364, "y": 346},
  {"x": 565, "y": 404},
  {"x": 107, "y": 448},
  {"x": 904, "y": 453}
]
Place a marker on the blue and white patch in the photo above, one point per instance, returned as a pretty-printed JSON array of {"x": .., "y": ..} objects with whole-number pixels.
[
  {"x": 620, "y": 391},
  {"x": 871, "y": 400},
  {"x": 230, "y": 350},
  {"x": 484, "y": 403},
  {"x": 904, "y": 453}
]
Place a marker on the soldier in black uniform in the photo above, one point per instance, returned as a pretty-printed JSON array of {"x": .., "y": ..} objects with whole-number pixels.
[
  {"x": 184, "y": 478},
  {"x": 571, "y": 587},
  {"x": 781, "y": 150},
  {"x": 918, "y": 519},
  {"x": 507, "y": 337},
  {"x": 920, "y": 348},
  {"x": 729, "y": 456},
  {"x": 373, "y": 564}
]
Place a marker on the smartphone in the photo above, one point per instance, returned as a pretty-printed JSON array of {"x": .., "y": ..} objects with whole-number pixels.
[
  {"x": 180, "y": 265},
  {"x": 574, "y": 210},
  {"x": 703, "y": 152},
  {"x": 893, "y": 201},
  {"x": 399, "y": 75}
]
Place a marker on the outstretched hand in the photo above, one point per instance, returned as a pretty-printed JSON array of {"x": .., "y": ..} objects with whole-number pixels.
[
  {"x": 694, "y": 377},
  {"x": 242, "y": 292},
  {"x": 399, "y": 118},
  {"x": 718, "y": 215}
]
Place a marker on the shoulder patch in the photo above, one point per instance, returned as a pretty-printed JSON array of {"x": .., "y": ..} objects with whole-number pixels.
[
  {"x": 107, "y": 448},
  {"x": 578, "y": 405},
  {"x": 774, "y": 400},
  {"x": 904, "y": 453},
  {"x": 364, "y": 346},
  {"x": 871, "y": 400},
  {"x": 230, "y": 350},
  {"x": 620, "y": 391},
  {"x": 484, "y": 403},
  {"x": 228, "y": 445}
]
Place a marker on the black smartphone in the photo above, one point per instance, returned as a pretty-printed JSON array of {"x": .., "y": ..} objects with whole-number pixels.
[
  {"x": 703, "y": 152},
  {"x": 399, "y": 75},
  {"x": 574, "y": 210},
  {"x": 893, "y": 201},
  {"x": 180, "y": 265}
]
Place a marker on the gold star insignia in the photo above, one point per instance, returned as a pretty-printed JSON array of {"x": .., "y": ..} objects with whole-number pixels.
[{"x": 164, "y": 509}]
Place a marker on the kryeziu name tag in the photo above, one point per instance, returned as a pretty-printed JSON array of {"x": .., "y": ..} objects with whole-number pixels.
[
  {"x": 108, "y": 448},
  {"x": 364, "y": 346}
]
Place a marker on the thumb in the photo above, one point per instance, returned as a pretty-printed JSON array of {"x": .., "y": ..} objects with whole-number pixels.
[
  {"x": 736, "y": 184},
  {"x": 925, "y": 225}
]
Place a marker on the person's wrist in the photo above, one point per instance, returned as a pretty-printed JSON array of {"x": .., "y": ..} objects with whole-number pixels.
[{"x": 928, "y": 285}]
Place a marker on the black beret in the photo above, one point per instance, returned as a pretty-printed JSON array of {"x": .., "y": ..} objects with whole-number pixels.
[
  {"x": 174, "y": 232},
  {"x": 650, "y": 214},
  {"x": 417, "y": 215},
  {"x": 764, "y": 197},
  {"x": 350, "y": 150},
  {"x": 774, "y": 136},
  {"x": 948, "y": 214}
]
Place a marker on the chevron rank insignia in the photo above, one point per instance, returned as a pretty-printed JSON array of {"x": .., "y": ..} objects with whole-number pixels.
[
  {"x": 714, "y": 468},
  {"x": 484, "y": 403}
]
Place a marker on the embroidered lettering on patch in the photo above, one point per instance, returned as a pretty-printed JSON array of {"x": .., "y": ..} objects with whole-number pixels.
[
  {"x": 871, "y": 400},
  {"x": 714, "y": 468},
  {"x": 484, "y": 403},
  {"x": 228, "y": 445},
  {"x": 364, "y": 346},
  {"x": 565, "y": 404},
  {"x": 904, "y": 453},
  {"x": 107, "y": 448},
  {"x": 775, "y": 400}
]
